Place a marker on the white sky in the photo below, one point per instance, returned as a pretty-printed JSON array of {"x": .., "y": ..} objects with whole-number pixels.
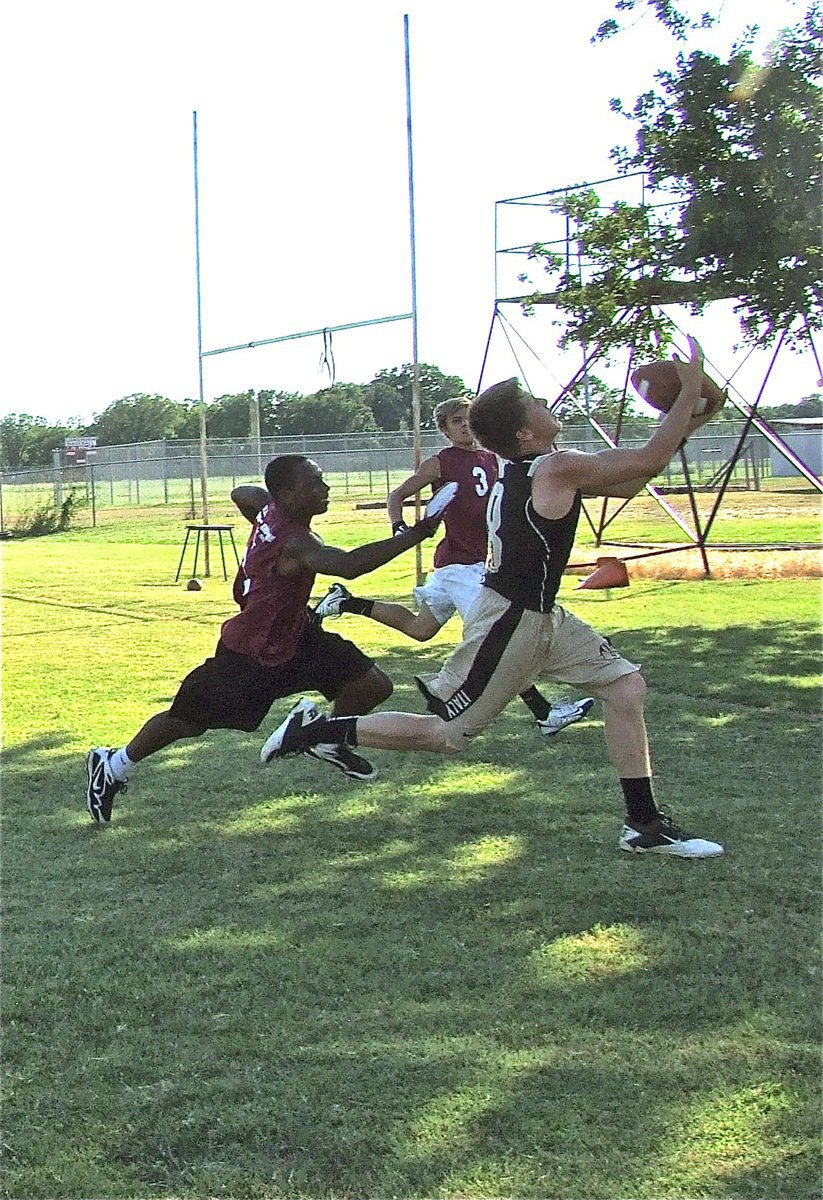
[{"x": 303, "y": 184}]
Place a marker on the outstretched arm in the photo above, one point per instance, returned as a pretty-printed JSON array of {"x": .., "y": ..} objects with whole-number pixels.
[
  {"x": 428, "y": 472},
  {"x": 307, "y": 551}
]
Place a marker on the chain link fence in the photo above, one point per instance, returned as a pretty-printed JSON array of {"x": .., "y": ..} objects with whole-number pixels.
[{"x": 362, "y": 466}]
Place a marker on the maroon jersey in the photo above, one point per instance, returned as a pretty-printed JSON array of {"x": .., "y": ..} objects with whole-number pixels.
[
  {"x": 465, "y": 518},
  {"x": 273, "y": 608}
]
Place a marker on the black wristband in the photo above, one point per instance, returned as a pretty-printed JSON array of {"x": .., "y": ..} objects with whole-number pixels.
[{"x": 399, "y": 527}]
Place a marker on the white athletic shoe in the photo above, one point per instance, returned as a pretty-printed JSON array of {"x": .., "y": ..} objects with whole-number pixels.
[{"x": 563, "y": 715}]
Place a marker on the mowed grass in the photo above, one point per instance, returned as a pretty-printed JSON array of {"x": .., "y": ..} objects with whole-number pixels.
[{"x": 277, "y": 983}]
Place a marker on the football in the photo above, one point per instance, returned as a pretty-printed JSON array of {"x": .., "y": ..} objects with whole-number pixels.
[
  {"x": 659, "y": 385},
  {"x": 194, "y": 585}
]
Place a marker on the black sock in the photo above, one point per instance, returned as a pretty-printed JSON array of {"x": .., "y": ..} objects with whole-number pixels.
[
  {"x": 536, "y": 703},
  {"x": 355, "y": 605},
  {"x": 640, "y": 806},
  {"x": 337, "y": 730}
]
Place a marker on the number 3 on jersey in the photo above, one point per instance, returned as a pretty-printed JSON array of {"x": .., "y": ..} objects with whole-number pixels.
[{"x": 482, "y": 480}]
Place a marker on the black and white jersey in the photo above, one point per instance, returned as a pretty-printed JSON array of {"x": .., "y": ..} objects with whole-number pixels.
[{"x": 527, "y": 553}]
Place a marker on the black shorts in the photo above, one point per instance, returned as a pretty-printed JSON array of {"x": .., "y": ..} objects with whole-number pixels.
[{"x": 233, "y": 691}]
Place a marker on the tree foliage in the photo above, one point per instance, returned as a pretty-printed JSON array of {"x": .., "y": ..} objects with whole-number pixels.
[
  {"x": 27, "y": 441},
  {"x": 389, "y": 395},
  {"x": 142, "y": 418},
  {"x": 383, "y": 403},
  {"x": 731, "y": 152},
  {"x": 810, "y": 407},
  {"x": 677, "y": 22},
  {"x": 337, "y": 409},
  {"x": 230, "y": 416},
  {"x": 594, "y": 397}
]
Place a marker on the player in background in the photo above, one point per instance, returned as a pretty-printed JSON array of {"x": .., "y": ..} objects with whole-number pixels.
[
  {"x": 459, "y": 559},
  {"x": 516, "y": 631},
  {"x": 274, "y": 646}
]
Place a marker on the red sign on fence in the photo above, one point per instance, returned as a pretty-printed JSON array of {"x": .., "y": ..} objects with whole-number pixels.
[{"x": 78, "y": 450}]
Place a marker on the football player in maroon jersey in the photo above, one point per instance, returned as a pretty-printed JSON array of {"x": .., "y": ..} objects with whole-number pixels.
[
  {"x": 274, "y": 646},
  {"x": 459, "y": 559}
]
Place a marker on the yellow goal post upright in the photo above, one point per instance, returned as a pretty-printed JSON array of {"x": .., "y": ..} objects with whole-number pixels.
[{"x": 325, "y": 331}]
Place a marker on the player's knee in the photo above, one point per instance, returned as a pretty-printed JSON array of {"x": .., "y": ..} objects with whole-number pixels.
[
  {"x": 363, "y": 694},
  {"x": 629, "y": 691},
  {"x": 381, "y": 687},
  {"x": 453, "y": 741},
  {"x": 638, "y": 687},
  {"x": 437, "y": 736},
  {"x": 423, "y": 627}
]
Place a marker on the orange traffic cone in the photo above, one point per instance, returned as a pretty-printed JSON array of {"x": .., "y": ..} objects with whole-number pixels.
[{"x": 610, "y": 572}]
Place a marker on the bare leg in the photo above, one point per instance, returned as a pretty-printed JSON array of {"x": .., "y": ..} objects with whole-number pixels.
[
  {"x": 403, "y": 731},
  {"x": 626, "y": 727},
  {"x": 363, "y": 694},
  {"x": 159, "y": 731},
  {"x": 421, "y": 626}
]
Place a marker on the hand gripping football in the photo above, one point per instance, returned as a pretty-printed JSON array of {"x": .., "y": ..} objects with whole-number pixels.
[
  {"x": 441, "y": 499},
  {"x": 659, "y": 385}
]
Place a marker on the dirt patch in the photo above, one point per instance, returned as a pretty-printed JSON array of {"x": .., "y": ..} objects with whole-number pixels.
[{"x": 723, "y": 564}]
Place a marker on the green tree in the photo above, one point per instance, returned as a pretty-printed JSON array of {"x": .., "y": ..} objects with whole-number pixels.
[
  {"x": 337, "y": 409},
  {"x": 27, "y": 441},
  {"x": 809, "y": 406},
  {"x": 678, "y": 23},
  {"x": 389, "y": 395},
  {"x": 143, "y": 418},
  {"x": 598, "y": 399},
  {"x": 230, "y": 416},
  {"x": 733, "y": 149}
]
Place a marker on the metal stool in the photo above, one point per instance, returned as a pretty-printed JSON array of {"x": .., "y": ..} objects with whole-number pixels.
[{"x": 199, "y": 530}]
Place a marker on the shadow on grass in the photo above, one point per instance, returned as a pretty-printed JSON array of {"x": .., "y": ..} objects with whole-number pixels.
[
  {"x": 767, "y": 668},
  {"x": 277, "y": 982}
]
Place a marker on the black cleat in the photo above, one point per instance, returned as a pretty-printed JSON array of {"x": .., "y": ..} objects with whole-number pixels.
[
  {"x": 344, "y": 758},
  {"x": 103, "y": 787},
  {"x": 662, "y": 836}
]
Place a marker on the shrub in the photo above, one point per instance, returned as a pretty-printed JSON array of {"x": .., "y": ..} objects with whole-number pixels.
[{"x": 47, "y": 517}]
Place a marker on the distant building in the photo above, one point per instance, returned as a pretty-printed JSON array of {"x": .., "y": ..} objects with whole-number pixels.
[{"x": 804, "y": 436}]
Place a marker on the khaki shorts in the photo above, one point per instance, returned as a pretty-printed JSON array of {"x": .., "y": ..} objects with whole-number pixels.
[{"x": 504, "y": 650}]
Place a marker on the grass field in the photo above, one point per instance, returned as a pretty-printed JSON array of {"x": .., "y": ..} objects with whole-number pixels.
[{"x": 276, "y": 983}]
